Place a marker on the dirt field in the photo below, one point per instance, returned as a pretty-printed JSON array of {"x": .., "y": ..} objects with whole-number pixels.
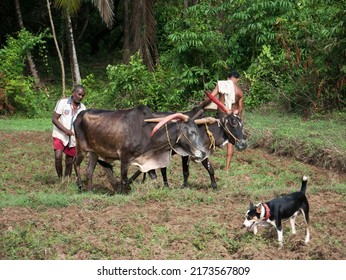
[{"x": 145, "y": 227}]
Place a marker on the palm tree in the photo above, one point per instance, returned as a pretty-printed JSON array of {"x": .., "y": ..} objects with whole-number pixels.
[
  {"x": 126, "y": 47},
  {"x": 71, "y": 7},
  {"x": 76, "y": 77},
  {"x": 58, "y": 49},
  {"x": 142, "y": 31}
]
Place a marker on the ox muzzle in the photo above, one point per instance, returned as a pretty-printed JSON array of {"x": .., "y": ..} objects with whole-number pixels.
[{"x": 241, "y": 145}]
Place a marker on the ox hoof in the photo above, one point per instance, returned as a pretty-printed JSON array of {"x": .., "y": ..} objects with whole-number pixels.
[
  {"x": 127, "y": 190},
  {"x": 214, "y": 187},
  {"x": 80, "y": 186},
  {"x": 124, "y": 190}
]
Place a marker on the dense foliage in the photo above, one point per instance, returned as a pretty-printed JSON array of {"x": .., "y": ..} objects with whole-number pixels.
[
  {"x": 288, "y": 52},
  {"x": 18, "y": 92}
]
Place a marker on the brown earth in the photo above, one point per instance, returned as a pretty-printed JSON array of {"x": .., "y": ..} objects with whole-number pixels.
[{"x": 124, "y": 231}]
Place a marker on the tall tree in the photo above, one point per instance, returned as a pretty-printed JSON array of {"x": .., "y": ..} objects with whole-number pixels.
[
  {"x": 61, "y": 60},
  {"x": 71, "y": 7},
  {"x": 76, "y": 77},
  {"x": 29, "y": 57},
  {"x": 142, "y": 32},
  {"x": 126, "y": 47}
]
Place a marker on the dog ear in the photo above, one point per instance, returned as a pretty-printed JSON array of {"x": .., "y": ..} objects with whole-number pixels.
[
  {"x": 251, "y": 205},
  {"x": 258, "y": 209}
]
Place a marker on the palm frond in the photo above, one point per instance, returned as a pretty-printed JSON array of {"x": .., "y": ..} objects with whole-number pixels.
[
  {"x": 71, "y": 6},
  {"x": 143, "y": 30},
  {"x": 105, "y": 8}
]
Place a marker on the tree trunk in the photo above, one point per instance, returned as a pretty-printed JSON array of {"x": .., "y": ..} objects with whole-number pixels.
[
  {"x": 185, "y": 4},
  {"x": 58, "y": 50},
  {"x": 72, "y": 52},
  {"x": 126, "y": 48},
  {"x": 29, "y": 57}
]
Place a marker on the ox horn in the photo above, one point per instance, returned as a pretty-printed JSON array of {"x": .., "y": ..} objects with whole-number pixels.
[
  {"x": 218, "y": 103},
  {"x": 206, "y": 120},
  {"x": 181, "y": 116},
  {"x": 154, "y": 120}
]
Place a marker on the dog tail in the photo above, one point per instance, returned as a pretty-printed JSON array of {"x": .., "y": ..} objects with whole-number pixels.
[{"x": 304, "y": 184}]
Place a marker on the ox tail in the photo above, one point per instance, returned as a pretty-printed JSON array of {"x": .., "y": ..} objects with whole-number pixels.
[
  {"x": 105, "y": 164},
  {"x": 304, "y": 184}
]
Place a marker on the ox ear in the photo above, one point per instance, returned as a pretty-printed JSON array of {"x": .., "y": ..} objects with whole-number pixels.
[{"x": 175, "y": 116}]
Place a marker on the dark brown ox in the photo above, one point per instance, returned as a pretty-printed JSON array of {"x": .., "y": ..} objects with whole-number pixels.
[
  {"x": 226, "y": 128},
  {"x": 124, "y": 135}
]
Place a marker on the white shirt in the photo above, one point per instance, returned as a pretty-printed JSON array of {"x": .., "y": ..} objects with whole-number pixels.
[{"x": 64, "y": 108}]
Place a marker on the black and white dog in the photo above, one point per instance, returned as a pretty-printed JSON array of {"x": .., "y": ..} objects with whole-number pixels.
[{"x": 278, "y": 209}]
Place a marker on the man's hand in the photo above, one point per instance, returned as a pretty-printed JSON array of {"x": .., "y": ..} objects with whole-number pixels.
[{"x": 69, "y": 132}]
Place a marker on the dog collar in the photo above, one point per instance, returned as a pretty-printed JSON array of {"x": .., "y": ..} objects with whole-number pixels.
[{"x": 267, "y": 210}]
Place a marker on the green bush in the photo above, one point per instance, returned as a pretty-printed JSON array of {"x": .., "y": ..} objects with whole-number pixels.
[
  {"x": 18, "y": 92},
  {"x": 133, "y": 84},
  {"x": 263, "y": 79}
]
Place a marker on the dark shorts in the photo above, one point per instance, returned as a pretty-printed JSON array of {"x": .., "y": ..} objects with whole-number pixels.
[{"x": 58, "y": 145}]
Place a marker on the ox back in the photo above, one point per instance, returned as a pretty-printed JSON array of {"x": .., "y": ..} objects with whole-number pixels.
[{"x": 124, "y": 135}]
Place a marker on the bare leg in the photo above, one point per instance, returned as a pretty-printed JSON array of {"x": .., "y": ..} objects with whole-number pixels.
[
  {"x": 68, "y": 166},
  {"x": 229, "y": 156},
  {"x": 58, "y": 163}
]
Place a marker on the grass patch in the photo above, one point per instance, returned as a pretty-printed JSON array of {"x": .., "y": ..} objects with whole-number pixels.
[
  {"x": 320, "y": 141},
  {"x": 18, "y": 124}
]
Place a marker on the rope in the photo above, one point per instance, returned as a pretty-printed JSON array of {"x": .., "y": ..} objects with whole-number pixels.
[
  {"x": 169, "y": 140},
  {"x": 181, "y": 134},
  {"x": 229, "y": 132},
  {"x": 211, "y": 138}
]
